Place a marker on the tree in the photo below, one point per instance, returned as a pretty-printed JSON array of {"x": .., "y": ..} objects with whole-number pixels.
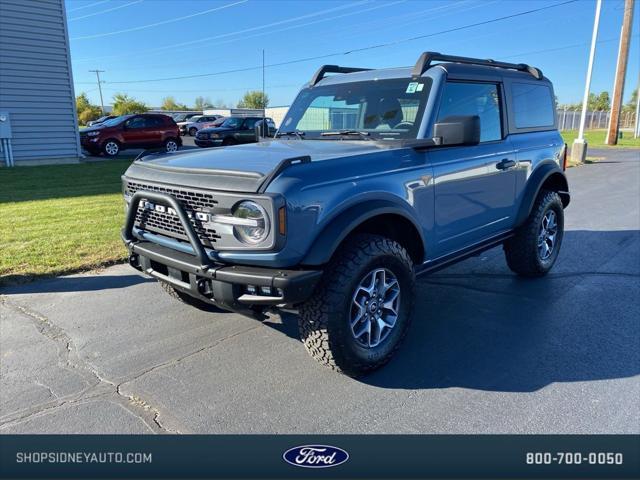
[
  {"x": 86, "y": 111},
  {"x": 602, "y": 102},
  {"x": 169, "y": 103},
  {"x": 123, "y": 104},
  {"x": 630, "y": 106},
  {"x": 220, "y": 103},
  {"x": 254, "y": 99},
  {"x": 202, "y": 103}
]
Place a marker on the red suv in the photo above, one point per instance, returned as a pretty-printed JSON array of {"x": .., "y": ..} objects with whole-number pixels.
[{"x": 144, "y": 130}]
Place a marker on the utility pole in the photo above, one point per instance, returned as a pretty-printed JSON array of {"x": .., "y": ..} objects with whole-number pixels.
[
  {"x": 579, "y": 147},
  {"x": 98, "y": 72},
  {"x": 621, "y": 70}
]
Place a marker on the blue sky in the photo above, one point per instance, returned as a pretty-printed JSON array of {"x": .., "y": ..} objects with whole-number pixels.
[{"x": 140, "y": 43}]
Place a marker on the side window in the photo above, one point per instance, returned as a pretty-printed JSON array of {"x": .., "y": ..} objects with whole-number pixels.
[
  {"x": 480, "y": 99},
  {"x": 250, "y": 123},
  {"x": 532, "y": 105},
  {"x": 136, "y": 122}
]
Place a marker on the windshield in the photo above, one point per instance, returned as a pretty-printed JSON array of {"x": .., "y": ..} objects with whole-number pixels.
[
  {"x": 115, "y": 121},
  {"x": 383, "y": 109},
  {"x": 232, "y": 122},
  {"x": 194, "y": 118}
]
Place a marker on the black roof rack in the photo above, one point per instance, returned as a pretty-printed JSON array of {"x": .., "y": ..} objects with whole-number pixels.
[
  {"x": 426, "y": 59},
  {"x": 319, "y": 75}
]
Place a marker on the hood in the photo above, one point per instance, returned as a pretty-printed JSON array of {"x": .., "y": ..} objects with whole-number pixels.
[
  {"x": 216, "y": 129},
  {"x": 241, "y": 168},
  {"x": 93, "y": 128}
]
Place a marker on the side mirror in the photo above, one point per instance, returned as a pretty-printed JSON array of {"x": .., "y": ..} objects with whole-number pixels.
[{"x": 457, "y": 130}]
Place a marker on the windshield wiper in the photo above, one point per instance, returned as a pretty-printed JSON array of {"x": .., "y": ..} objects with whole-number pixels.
[
  {"x": 363, "y": 135},
  {"x": 300, "y": 135}
]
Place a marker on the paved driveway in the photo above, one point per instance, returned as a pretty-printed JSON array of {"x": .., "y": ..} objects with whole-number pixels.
[{"x": 488, "y": 352}]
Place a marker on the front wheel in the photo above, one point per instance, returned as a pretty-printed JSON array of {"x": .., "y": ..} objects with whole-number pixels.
[
  {"x": 361, "y": 310},
  {"x": 111, "y": 148},
  {"x": 535, "y": 247},
  {"x": 193, "y": 131}
]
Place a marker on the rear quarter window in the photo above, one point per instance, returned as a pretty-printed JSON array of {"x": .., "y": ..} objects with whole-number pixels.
[{"x": 532, "y": 105}]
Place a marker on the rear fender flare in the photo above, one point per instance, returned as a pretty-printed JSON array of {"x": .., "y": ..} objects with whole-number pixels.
[{"x": 534, "y": 184}]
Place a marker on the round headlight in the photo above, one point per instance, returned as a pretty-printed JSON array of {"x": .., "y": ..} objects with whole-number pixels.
[{"x": 257, "y": 228}]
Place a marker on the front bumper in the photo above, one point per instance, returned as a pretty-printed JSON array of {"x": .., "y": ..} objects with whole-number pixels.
[
  {"x": 208, "y": 143},
  {"x": 232, "y": 287}
]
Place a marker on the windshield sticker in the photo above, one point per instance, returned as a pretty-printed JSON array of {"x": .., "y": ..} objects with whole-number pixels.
[
  {"x": 411, "y": 88},
  {"x": 420, "y": 87}
]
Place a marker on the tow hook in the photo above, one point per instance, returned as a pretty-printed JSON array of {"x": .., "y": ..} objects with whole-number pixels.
[
  {"x": 204, "y": 287},
  {"x": 134, "y": 261}
]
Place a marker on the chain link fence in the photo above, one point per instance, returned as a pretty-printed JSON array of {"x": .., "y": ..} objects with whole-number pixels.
[{"x": 570, "y": 119}]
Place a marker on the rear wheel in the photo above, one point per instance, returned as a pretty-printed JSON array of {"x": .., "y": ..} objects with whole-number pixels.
[
  {"x": 535, "y": 247},
  {"x": 111, "y": 148},
  {"x": 361, "y": 310},
  {"x": 171, "y": 145},
  {"x": 193, "y": 131}
]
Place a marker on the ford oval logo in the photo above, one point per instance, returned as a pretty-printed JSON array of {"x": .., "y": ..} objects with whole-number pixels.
[{"x": 315, "y": 456}]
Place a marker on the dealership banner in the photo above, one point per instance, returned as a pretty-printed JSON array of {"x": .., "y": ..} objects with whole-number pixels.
[{"x": 320, "y": 456}]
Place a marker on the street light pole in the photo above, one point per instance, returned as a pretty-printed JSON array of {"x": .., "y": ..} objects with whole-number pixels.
[{"x": 579, "y": 147}]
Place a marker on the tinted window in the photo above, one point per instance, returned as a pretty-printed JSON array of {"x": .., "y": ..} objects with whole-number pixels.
[
  {"x": 137, "y": 122},
  {"x": 480, "y": 99},
  {"x": 532, "y": 105},
  {"x": 250, "y": 123}
]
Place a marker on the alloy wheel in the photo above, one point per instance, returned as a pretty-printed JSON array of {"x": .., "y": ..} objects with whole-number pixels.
[
  {"x": 111, "y": 148},
  {"x": 547, "y": 235},
  {"x": 374, "y": 307},
  {"x": 171, "y": 146}
]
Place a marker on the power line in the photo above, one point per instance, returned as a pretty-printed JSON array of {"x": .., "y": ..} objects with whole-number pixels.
[
  {"x": 164, "y": 22},
  {"x": 95, "y": 4},
  {"x": 237, "y": 32},
  {"x": 348, "y": 52},
  {"x": 105, "y": 11}
]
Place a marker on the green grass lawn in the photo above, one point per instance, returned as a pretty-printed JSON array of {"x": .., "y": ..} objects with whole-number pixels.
[
  {"x": 595, "y": 138},
  {"x": 59, "y": 219}
]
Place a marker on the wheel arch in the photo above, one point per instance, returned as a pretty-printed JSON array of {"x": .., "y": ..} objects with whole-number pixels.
[
  {"x": 548, "y": 177},
  {"x": 377, "y": 217}
]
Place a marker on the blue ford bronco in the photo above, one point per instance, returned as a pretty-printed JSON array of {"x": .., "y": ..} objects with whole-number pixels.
[{"x": 374, "y": 177}]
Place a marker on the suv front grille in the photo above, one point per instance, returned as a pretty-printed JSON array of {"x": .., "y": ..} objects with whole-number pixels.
[{"x": 168, "y": 224}]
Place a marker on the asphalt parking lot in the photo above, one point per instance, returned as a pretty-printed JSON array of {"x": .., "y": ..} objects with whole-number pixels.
[{"x": 109, "y": 352}]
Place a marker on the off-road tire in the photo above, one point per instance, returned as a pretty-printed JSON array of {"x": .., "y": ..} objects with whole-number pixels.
[
  {"x": 323, "y": 321},
  {"x": 187, "y": 299},
  {"x": 521, "y": 250}
]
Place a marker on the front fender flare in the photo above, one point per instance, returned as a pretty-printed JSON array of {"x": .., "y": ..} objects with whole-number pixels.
[{"x": 341, "y": 225}]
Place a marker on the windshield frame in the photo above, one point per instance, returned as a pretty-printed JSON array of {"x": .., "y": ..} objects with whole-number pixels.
[{"x": 405, "y": 88}]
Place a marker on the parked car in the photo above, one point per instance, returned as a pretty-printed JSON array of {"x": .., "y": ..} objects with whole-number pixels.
[
  {"x": 131, "y": 131},
  {"x": 232, "y": 131},
  {"x": 194, "y": 124},
  {"x": 100, "y": 120},
  {"x": 183, "y": 117},
  {"x": 215, "y": 123},
  {"x": 374, "y": 177}
]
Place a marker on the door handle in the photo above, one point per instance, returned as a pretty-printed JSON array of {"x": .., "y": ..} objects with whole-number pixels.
[{"x": 505, "y": 163}]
